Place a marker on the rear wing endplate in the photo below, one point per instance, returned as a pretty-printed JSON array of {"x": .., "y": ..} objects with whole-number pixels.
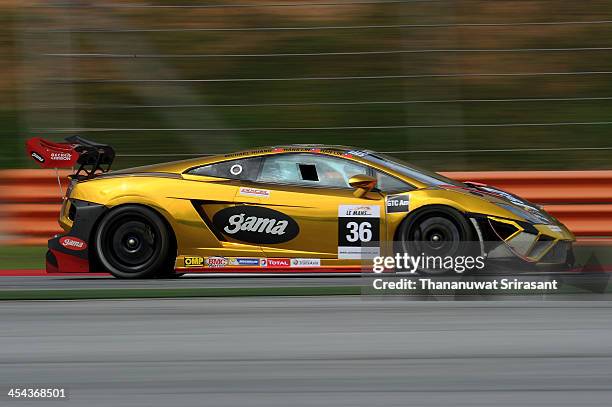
[{"x": 90, "y": 157}]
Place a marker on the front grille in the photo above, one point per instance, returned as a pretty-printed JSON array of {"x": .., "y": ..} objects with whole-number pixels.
[
  {"x": 539, "y": 247},
  {"x": 558, "y": 254}
]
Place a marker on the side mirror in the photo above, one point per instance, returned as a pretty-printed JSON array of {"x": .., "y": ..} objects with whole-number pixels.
[{"x": 362, "y": 184}]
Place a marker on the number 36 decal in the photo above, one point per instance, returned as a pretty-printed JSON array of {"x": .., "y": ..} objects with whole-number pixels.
[
  {"x": 359, "y": 232},
  {"x": 357, "y": 226}
]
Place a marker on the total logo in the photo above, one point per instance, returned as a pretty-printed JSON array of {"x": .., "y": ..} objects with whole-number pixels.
[
  {"x": 61, "y": 156},
  {"x": 276, "y": 263},
  {"x": 216, "y": 261},
  {"x": 73, "y": 243}
]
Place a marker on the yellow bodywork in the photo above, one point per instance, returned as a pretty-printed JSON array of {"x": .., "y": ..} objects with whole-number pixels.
[{"x": 168, "y": 190}]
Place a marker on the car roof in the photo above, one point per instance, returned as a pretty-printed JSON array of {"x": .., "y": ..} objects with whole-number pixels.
[
  {"x": 178, "y": 167},
  {"x": 323, "y": 148}
]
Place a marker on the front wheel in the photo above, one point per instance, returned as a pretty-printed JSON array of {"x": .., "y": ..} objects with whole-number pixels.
[
  {"x": 134, "y": 242},
  {"x": 439, "y": 238}
]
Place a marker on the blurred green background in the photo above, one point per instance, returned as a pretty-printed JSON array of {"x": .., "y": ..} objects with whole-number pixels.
[{"x": 126, "y": 74}]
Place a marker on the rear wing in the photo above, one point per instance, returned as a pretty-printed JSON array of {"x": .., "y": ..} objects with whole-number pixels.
[{"x": 90, "y": 157}]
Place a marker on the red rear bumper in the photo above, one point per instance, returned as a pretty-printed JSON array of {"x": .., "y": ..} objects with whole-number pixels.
[{"x": 58, "y": 262}]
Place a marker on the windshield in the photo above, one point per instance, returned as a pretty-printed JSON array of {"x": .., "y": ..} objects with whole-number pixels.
[{"x": 425, "y": 176}]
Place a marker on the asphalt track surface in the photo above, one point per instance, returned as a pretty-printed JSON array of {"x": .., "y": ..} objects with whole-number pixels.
[
  {"x": 313, "y": 351},
  {"x": 189, "y": 281},
  {"x": 192, "y": 281}
]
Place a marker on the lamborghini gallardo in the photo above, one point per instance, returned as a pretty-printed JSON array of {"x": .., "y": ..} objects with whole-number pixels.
[{"x": 284, "y": 209}]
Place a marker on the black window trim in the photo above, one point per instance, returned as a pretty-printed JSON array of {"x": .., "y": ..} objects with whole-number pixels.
[
  {"x": 348, "y": 188},
  {"x": 370, "y": 171},
  {"x": 258, "y": 157},
  {"x": 409, "y": 185}
]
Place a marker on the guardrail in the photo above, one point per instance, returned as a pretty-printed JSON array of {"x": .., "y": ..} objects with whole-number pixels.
[{"x": 582, "y": 200}]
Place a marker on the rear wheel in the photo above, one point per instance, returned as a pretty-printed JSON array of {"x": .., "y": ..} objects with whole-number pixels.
[{"x": 134, "y": 242}]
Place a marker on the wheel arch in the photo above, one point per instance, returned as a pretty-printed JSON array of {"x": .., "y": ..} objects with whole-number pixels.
[
  {"x": 93, "y": 257},
  {"x": 450, "y": 212}
]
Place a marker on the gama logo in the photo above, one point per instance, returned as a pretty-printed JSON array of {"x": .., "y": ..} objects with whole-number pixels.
[
  {"x": 37, "y": 157},
  {"x": 73, "y": 243},
  {"x": 256, "y": 224}
]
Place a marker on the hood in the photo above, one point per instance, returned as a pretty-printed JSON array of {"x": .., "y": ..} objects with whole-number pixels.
[{"x": 515, "y": 204}]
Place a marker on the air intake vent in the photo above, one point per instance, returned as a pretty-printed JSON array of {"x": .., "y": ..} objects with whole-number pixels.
[
  {"x": 504, "y": 230},
  {"x": 539, "y": 247},
  {"x": 72, "y": 212}
]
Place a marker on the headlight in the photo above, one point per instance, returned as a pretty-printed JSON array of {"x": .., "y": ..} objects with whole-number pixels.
[{"x": 533, "y": 216}]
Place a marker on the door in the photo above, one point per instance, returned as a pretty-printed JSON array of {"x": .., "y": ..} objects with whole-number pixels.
[
  {"x": 213, "y": 193},
  {"x": 301, "y": 205}
]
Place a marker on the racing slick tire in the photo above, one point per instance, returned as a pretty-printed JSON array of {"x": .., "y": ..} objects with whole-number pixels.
[
  {"x": 436, "y": 231},
  {"x": 133, "y": 241}
]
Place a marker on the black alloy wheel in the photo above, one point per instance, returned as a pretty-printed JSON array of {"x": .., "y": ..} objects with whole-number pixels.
[
  {"x": 134, "y": 242},
  {"x": 436, "y": 234}
]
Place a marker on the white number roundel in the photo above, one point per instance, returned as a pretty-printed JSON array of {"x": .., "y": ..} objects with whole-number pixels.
[{"x": 236, "y": 169}]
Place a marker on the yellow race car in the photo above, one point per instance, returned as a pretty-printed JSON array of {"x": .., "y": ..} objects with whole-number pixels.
[{"x": 286, "y": 209}]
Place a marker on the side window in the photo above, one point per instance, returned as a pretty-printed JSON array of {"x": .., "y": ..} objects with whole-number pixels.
[
  {"x": 310, "y": 170},
  {"x": 387, "y": 183},
  {"x": 244, "y": 169}
]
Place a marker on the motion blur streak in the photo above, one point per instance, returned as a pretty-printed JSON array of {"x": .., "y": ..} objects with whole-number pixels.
[
  {"x": 311, "y": 351},
  {"x": 309, "y": 66}
]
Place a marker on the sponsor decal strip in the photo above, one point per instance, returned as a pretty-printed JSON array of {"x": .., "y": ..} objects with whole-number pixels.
[
  {"x": 272, "y": 270},
  {"x": 195, "y": 263},
  {"x": 339, "y": 153}
]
